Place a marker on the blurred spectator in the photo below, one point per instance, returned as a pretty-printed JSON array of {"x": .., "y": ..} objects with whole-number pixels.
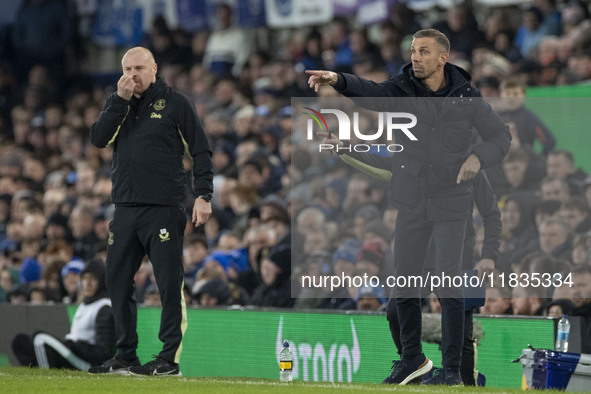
[
  {"x": 41, "y": 33},
  {"x": 337, "y": 53},
  {"x": 37, "y": 296},
  {"x": 504, "y": 44},
  {"x": 214, "y": 293},
  {"x": 195, "y": 250},
  {"x": 528, "y": 301},
  {"x": 532, "y": 31},
  {"x": 228, "y": 241},
  {"x": 519, "y": 231},
  {"x": 555, "y": 239},
  {"x": 243, "y": 199},
  {"x": 488, "y": 86},
  {"x": 551, "y": 21},
  {"x": 6, "y": 283},
  {"x": 556, "y": 189},
  {"x": 163, "y": 46},
  {"x": 582, "y": 300},
  {"x": 70, "y": 278},
  {"x": 312, "y": 56},
  {"x": 576, "y": 214},
  {"x": 357, "y": 192},
  {"x": 529, "y": 126},
  {"x": 82, "y": 221},
  {"x": 558, "y": 308},
  {"x": 404, "y": 19},
  {"x": 561, "y": 164},
  {"x": 581, "y": 243},
  {"x": 371, "y": 256},
  {"x": 498, "y": 301},
  {"x": 370, "y": 298},
  {"x": 343, "y": 264},
  {"x": 228, "y": 47},
  {"x": 53, "y": 280},
  {"x": 256, "y": 239},
  {"x": 462, "y": 30},
  {"x": 17, "y": 296},
  {"x": 100, "y": 226},
  {"x": 315, "y": 241},
  {"x": 363, "y": 50},
  {"x": 275, "y": 271},
  {"x": 310, "y": 219},
  {"x": 57, "y": 228},
  {"x": 523, "y": 170},
  {"x": 573, "y": 13}
]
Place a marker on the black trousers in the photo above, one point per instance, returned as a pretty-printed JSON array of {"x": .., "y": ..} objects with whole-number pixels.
[
  {"x": 155, "y": 231},
  {"x": 55, "y": 354},
  {"x": 411, "y": 242},
  {"x": 467, "y": 364}
]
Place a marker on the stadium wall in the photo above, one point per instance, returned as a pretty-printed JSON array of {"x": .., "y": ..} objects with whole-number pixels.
[{"x": 350, "y": 347}]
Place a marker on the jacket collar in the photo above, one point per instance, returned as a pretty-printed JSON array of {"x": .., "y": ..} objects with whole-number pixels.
[
  {"x": 459, "y": 77},
  {"x": 154, "y": 89}
]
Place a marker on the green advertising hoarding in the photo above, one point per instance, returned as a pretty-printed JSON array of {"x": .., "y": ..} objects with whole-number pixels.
[
  {"x": 346, "y": 347},
  {"x": 568, "y": 118}
]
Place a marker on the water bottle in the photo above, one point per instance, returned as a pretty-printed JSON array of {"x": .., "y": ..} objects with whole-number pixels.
[
  {"x": 562, "y": 335},
  {"x": 285, "y": 364}
]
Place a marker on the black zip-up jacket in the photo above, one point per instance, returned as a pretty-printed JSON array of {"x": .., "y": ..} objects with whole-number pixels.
[
  {"x": 150, "y": 136},
  {"x": 424, "y": 173}
]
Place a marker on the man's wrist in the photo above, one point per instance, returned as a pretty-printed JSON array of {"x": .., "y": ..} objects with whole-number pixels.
[
  {"x": 205, "y": 196},
  {"x": 340, "y": 83}
]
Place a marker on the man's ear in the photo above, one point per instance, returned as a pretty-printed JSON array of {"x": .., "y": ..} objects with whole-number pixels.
[{"x": 443, "y": 58}]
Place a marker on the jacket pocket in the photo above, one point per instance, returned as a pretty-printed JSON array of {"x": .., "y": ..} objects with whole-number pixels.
[{"x": 405, "y": 185}]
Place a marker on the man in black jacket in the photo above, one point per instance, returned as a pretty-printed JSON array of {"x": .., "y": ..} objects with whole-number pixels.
[
  {"x": 486, "y": 203},
  {"x": 431, "y": 185},
  {"x": 150, "y": 126}
]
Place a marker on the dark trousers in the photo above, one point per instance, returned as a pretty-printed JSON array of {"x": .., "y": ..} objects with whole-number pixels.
[
  {"x": 411, "y": 242},
  {"x": 156, "y": 231},
  {"x": 467, "y": 364},
  {"x": 24, "y": 350}
]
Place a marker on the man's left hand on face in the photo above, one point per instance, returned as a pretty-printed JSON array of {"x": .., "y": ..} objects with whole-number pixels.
[
  {"x": 469, "y": 169},
  {"x": 201, "y": 212}
]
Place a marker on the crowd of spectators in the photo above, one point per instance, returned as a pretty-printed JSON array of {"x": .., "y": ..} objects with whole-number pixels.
[{"x": 282, "y": 210}]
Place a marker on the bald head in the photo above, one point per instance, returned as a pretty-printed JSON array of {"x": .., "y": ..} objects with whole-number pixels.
[
  {"x": 139, "y": 64},
  {"x": 141, "y": 52}
]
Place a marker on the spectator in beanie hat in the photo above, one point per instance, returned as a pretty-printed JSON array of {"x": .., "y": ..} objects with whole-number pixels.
[
  {"x": 213, "y": 293},
  {"x": 370, "y": 298},
  {"x": 57, "y": 228},
  {"x": 70, "y": 278},
  {"x": 343, "y": 261},
  {"x": 371, "y": 256},
  {"x": 275, "y": 274}
]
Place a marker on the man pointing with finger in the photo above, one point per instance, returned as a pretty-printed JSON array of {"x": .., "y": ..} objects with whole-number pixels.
[
  {"x": 151, "y": 127},
  {"x": 431, "y": 184}
]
